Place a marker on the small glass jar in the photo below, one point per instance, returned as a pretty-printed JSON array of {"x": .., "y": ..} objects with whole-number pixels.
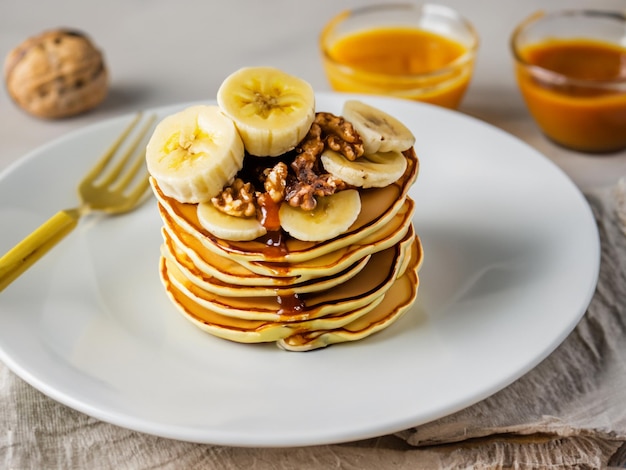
[
  {"x": 420, "y": 52},
  {"x": 571, "y": 70}
]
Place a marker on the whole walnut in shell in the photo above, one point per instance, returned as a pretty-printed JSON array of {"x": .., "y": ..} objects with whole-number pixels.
[{"x": 56, "y": 74}]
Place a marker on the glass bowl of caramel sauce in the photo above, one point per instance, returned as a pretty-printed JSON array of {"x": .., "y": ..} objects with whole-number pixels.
[
  {"x": 420, "y": 52},
  {"x": 571, "y": 70}
]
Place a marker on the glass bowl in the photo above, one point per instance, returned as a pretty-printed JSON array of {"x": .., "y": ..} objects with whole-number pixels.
[
  {"x": 421, "y": 52},
  {"x": 571, "y": 70}
]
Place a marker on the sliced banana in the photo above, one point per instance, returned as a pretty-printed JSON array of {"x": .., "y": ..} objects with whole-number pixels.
[
  {"x": 379, "y": 131},
  {"x": 332, "y": 216},
  {"x": 192, "y": 154},
  {"x": 272, "y": 110},
  {"x": 375, "y": 170},
  {"x": 227, "y": 226}
]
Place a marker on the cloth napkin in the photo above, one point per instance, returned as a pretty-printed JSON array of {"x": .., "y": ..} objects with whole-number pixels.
[{"x": 568, "y": 412}]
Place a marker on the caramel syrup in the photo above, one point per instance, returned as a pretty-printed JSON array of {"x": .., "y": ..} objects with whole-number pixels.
[
  {"x": 290, "y": 304},
  {"x": 269, "y": 212}
]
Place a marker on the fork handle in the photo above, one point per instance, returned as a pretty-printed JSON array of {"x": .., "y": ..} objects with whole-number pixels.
[{"x": 34, "y": 246}]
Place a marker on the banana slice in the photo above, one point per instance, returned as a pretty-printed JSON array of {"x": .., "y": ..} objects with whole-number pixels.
[
  {"x": 375, "y": 170},
  {"x": 332, "y": 216},
  {"x": 192, "y": 154},
  {"x": 227, "y": 226},
  {"x": 272, "y": 110},
  {"x": 379, "y": 131}
]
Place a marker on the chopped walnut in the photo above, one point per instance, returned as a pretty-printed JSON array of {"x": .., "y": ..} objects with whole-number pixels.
[
  {"x": 313, "y": 143},
  {"x": 306, "y": 165},
  {"x": 310, "y": 179},
  {"x": 236, "y": 200},
  {"x": 298, "y": 178},
  {"x": 340, "y": 135},
  {"x": 303, "y": 193},
  {"x": 276, "y": 181}
]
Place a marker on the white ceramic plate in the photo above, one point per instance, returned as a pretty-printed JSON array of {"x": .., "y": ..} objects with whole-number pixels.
[{"x": 511, "y": 262}]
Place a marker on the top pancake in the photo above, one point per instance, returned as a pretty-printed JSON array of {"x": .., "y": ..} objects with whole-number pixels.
[{"x": 379, "y": 206}]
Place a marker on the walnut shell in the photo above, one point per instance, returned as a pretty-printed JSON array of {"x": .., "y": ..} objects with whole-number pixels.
[{"x": 56, "y": 74}]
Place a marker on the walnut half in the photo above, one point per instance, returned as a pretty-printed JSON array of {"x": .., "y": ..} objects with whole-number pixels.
[
  {"x": 236, "y": 200},
  {"x": 276, "y": 181},
  {"x": 340, "y": 135}
]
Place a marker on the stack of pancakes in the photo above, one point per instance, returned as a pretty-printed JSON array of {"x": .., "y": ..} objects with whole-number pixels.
[{"x": 301, "y": 295}]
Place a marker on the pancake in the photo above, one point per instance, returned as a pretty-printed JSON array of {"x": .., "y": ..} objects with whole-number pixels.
[
  {"x": 216, "y": 286},
  {"x": 278, "y": 274},
  {"x": 379, "y": 273},
  {"x": 393, "y": 305},
  {"x": 352, "y": 271},
  {"x": 357, "y": 317}
]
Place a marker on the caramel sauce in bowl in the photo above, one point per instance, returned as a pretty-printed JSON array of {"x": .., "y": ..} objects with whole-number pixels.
[
  {"x": 570, "y": 68},
  {"x": 421, "y": 52}
]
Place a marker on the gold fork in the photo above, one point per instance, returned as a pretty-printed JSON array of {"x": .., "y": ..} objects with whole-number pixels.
[{"x": 110, "y": 186}]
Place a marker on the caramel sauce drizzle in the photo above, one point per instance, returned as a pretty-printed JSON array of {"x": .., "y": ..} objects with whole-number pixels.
[
  {"x": 269, "y": 212},
  {"x": 275, "y": 246},
  {"x": 290, "y": 304}
]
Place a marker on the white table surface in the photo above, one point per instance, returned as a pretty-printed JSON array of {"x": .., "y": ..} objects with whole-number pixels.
[{"x": 162, "y": 52}]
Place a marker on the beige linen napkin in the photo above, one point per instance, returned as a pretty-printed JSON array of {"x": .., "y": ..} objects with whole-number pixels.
[{"x": 568, "y": 412}]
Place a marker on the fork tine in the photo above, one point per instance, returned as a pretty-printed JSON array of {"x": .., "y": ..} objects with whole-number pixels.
[
  {"x": 130, "y": 201},
  {"x": 114, "y": 173},
  {"x": 111, "y": 151},
  {"x": 139, "y": 190},
  {"x": 138, "y": 164}
]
